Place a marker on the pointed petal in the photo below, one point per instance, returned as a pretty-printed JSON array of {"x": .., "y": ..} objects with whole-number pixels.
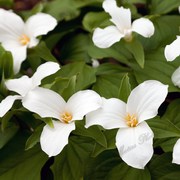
[
  {"x": 146, "y": 98},
  {"x": 83, "y": 102},
  {"x": 144, "y": 27},
  {"x": 7, "y": 103},
  {"x": 104, "y": 38},
  {"x": 43, "y": 71},
  {"x": 135, "y": 145},
  {"x": 172, "y": 51},
  {"x": 121, "y": 17},
  {"x": 176, "y": 77},
  {"x": 40, "y": 24},
  {"x": 11, "y": 25},
  {"x": 110, "y": 115},
  {"x": 53, "y": 140},
  {"x": 44, "y": 102},
  {"x": 18, "y": 52},
  {"x": 21, "y": 85},
  {"x": 176, "y": 152}
]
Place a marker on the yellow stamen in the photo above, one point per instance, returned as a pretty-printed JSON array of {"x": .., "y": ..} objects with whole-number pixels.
[
  {"x": 66, "y": 117},
  {"x": 24, "y": 40},
  {"x": 131, "y": 120}
]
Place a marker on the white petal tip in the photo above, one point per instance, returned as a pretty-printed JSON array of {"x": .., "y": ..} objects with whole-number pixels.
[
  {"x": 144, "y": 27},
  {"x": 172, "y": 51},
  {"x": 176, "y": 77}
]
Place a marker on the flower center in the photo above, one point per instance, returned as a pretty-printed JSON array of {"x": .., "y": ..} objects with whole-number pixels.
[
  {"x": 66, "y": 117},
  {"x": 24, "y": 39},
  {"x": 128, "y": 35},
  {"x": 131, "y": 120}
]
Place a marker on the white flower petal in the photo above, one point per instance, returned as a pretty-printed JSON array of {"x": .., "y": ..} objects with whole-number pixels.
[
  {"x": 83, "y": 102},
  {"x": 21, "y": 85},
  {"x": 18, "y": 51},
  {"x": 110, "y": 115},
  {"x": 43, "y": 71},
  {"x": 53, "y": 140},
  {"x": 176, "y": 152},
  {"x": 121, "y": 17},
  {"x": 146, "y": 98},
  {"x": 135, "y": 145},
  {"x": 144, "y": 27},
  {"x": 44, "y": 102},
  {"x": 172, "y": 51},
  {"x": 176, "y": 77},
  {"x": 33, "y": 42},
  {"x": 11, "y": 26},
  {"x": 7, "y": 103},
  {"x": 104, "y": 38},
  {"x": 40, "y": 24}
]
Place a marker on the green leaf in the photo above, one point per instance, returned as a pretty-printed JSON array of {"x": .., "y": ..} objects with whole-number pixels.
[
  {"x": 165, "y": 6},
  {"x": 112, "y": 85},
  {"x": 7, "y": 134},
  {"x": 15, "y": 163},
  {"x": 118, "y": 51},
  {"x": 69, "y": 90},
  {"x": 66, "y": 87},
  {"x": 6, "y": 64},
  {"x": 93, "y": 132},
  {"x": 6, "y": 3},
  {"x": 37, "y": 8},
  {"x": 5, "y": 120},
  {"x": 122, "y": 170},
  {"x": 162, "y": 168},
  {"x": 46, "y": 120},
  {"x": 163, "y": 128},
  {"x": 169, "y": 122},
  {"x": 34, "y": 138},
  {"x": 109, "y": 68},
  {"x": 61, "y": 9},
  {"x": 67, "y": 9},
  {"x": 172, "y": 113},
  {"x": 135, "y": 1},
  {"x": 59, "y": 84},
  {"x": 156, "y": 67},
  {"x": 85, "y": 75},
  {"x": 166, "y": 30},
  {"x": 70, "y": 164},
  {"x": 125, "y": 88},
  {"x": 75, "y": 49},
  {"x": 136, "y": 48},
  {"x": 110, "y": 140},
  {"x": 167, "y": 144},
  {"x": 42, "y": 51},
  {"x": 93, "y": 20},
  {"x": 99, "y": 167},
  {"x": 168, "y": 127}
]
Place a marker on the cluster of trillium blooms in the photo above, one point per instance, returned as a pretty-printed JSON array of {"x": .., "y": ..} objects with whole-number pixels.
[{"x": 142, "y": 104}]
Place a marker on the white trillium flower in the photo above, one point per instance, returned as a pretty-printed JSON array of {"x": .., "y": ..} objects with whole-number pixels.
[
  {"x": 122, "y": 28},
  {"x": 176, "y": 77},
  {"x": 134, "y": 139},
  {"x": 48, "y": 103},
  {"x": 176, "y": 152},
  {"x": 172, "y": 51},
  {"x": 16, "y": 35},
  {"x": 25, "y": 84}
]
